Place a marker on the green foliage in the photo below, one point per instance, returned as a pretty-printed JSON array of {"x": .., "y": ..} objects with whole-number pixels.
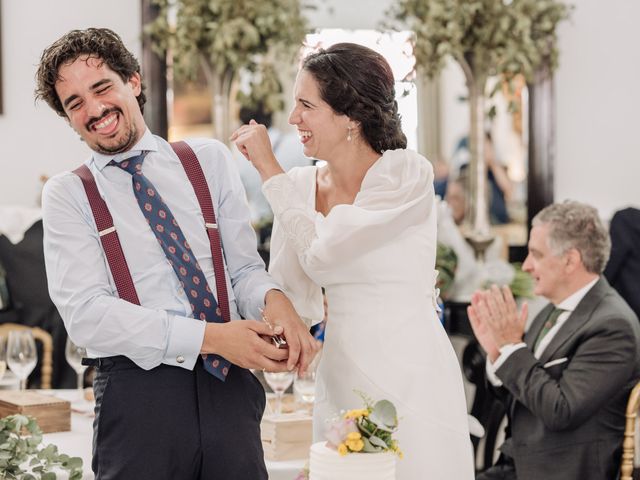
[
  {"x": 227, "y": 36},
  {"x": 446, "y": 264},
  {"x": 490, "y": 36},
  {"x": 522, "y": 284},
  {"x": 20, "y": 438}
]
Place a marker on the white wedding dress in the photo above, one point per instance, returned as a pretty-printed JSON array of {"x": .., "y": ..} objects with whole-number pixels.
[{"x": 376, "y": 260}]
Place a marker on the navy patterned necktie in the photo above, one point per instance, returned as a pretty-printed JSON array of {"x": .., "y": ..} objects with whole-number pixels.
[{"x": 178, "y": 253}]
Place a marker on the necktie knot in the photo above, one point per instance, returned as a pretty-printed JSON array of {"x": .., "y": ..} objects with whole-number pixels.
[{"x": 131, "y": 165}]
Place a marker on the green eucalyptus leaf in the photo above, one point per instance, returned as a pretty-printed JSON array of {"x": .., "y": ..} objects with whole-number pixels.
[
  {"x": 368, "y": 446},
  {"x": 378, "y": 442},
  {"x": 73, "y": 462},
  {"x": 385, "y": 414},
  {"x": 19, "y": 448}
]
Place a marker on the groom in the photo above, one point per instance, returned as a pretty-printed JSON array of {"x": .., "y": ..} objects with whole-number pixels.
[
  {"x": 174, "y": 396},
  {"x": 566, "y": 381}
]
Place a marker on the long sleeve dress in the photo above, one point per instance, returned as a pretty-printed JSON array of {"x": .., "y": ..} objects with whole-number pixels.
[{"x": 375, "y": 259}]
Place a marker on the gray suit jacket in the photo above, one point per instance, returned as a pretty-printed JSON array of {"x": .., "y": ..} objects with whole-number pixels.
[{"x": 567, "y": 408}]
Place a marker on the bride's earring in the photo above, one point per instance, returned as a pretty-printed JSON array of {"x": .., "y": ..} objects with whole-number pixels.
[{"x": 349, "y": 134}]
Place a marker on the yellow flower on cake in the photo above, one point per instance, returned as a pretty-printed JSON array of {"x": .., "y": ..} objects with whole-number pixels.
[
  {"x": 354, "y": 414},
  {"x": 342, "y": 449}
]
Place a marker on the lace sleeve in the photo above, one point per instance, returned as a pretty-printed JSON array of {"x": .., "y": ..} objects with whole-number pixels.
[{"x": 296, "y": 219}]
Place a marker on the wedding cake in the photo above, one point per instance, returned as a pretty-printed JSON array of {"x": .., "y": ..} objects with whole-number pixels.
[
  {"x": 359, "y": 445},
  {"x": 326, "y": 463}
]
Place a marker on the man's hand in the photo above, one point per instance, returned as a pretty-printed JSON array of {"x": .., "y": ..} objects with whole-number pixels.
[
  {"x": 302, "y": 346},
  {"x": 241, "y": 342},
  {"x": 480, "y": 328},
  {"x": 497, "y": 311}
]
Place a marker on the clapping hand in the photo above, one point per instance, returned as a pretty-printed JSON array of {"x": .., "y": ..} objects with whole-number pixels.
[{"x": 495, "y": 319}]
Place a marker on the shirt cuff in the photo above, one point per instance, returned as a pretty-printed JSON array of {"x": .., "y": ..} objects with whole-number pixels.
[
  {"x": 257, "y": 299},
  {"x": 505, "y": 352},
  {"x": 185, "y": 341}
]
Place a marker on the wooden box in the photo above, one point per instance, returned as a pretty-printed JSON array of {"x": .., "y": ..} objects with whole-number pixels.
[
  {"x": 286, "y": 437},
  {"x": 51, "y": 413}
]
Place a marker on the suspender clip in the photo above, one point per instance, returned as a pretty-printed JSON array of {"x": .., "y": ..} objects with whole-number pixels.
[
  {"x": 211, "y": 225},
  {"x": 106, "y": 231}
]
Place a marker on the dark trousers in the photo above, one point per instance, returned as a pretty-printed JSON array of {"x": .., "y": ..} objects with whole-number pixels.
[{"x": 172, "y": 423}]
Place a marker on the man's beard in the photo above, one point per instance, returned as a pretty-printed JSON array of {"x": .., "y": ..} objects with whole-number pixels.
[{"x": 123, "y": 146}]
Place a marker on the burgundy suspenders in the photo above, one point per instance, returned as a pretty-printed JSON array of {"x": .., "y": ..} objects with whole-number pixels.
[{"x": 111, "y": 242}]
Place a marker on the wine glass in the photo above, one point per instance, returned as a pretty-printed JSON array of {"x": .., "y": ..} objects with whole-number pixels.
[
  {"x": 22, "y": 355},
  {"x": 74, "y": 355},
  {"x": 279, "y": 382}
]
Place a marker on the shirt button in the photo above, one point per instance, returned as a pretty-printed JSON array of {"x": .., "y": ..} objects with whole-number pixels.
[{"x": 180, "y": 359}]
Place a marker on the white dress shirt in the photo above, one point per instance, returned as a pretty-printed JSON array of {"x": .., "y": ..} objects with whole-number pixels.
[
  {"x": 161, "y": 329},
  {"x": 569, "y": 304}
]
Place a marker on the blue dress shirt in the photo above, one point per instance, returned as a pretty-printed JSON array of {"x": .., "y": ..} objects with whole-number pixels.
[{"x": 161, "y": 329}]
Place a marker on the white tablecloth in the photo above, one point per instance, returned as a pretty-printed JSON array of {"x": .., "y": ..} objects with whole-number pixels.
[{"x": 77, "y": 442}]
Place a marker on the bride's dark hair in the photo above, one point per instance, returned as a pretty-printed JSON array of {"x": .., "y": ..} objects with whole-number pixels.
[{"x": 358, "y": 82}]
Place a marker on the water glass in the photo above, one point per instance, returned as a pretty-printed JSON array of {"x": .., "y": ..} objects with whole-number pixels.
[
  {"x": 22, "y": 355},
  {"x": 304, "y": 387},
  {"x": 74, "y": 355},
  {"x": 279, "y": 382}
]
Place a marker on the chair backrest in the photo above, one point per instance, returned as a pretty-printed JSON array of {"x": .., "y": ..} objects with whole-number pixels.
[
  {"x": 43, "y": 337},
  {"x": 629, "y": 442}
]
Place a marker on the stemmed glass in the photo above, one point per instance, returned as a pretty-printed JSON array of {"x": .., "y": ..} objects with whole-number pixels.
[
  {"x": 22, "y": 355},
  {"x": 279, "y": 382},
  {"x": 74, "y": 355}
]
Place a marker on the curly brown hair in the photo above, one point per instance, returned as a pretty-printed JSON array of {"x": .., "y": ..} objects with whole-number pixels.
[
  {"x": 100, "y": 43},
  {"x": 358, "y": 82}
]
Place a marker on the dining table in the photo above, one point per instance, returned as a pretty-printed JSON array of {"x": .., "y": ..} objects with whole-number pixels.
[{"x": 78, "y": 441}]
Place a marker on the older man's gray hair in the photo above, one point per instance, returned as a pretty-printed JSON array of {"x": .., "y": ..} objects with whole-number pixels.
[{"x": 577, "y": 225}]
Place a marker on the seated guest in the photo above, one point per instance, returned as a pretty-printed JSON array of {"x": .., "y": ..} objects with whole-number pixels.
[
  {"x": 565, "y": 382},
  {"x": 623, "y": 269},
  {"x": 30, "y": 302}
]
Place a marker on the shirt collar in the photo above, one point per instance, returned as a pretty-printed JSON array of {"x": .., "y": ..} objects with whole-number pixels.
[
  {"x": 571, "y": 302},
  {"x": 146, "y": 143}
]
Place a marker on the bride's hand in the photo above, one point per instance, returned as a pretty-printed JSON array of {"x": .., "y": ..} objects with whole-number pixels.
[
  {"x": 301, "y": 344},
  {"x": 253, "y": 142}
]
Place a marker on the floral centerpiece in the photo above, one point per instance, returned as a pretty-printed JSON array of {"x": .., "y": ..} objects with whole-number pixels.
[{"x": 367, "y": 430}]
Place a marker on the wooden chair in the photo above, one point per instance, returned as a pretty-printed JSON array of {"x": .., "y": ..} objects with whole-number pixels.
[
  {"x": 629, "y": 442},
  {"x": 43, "y": 337}
]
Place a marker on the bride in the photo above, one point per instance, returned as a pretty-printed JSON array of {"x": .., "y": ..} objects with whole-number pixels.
[{"x": 364, "y": 228}]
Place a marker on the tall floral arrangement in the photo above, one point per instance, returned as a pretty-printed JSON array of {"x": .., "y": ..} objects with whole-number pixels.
[
  {"x": 486, "y": 38},
  {"x": 221, "y": 38}
]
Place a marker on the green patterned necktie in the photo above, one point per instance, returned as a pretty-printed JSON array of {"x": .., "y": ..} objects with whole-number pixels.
[{"x": 548, "y": 325}]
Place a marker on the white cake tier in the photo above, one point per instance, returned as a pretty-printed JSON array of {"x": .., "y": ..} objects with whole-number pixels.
[{"x": 326, "y": 464}]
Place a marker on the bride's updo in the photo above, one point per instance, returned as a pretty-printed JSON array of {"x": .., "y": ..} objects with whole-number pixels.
[{"x": 358, "y": 82}]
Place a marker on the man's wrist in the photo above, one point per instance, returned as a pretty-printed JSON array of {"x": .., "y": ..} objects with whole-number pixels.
[{"x": 211, "y": 338}]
